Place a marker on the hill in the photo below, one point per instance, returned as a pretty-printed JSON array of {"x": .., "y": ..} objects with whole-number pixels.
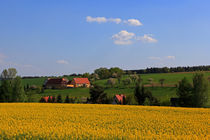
[{"x": 162, "y": 93}]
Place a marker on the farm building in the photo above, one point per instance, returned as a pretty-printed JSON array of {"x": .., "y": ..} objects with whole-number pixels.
[
  {"x": 56, "y": 83},
  {"x": 80, "y": 82},
  {"x": 118, "y": 99}
]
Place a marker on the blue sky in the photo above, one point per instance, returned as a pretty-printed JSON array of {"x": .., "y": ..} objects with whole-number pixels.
[{"x": 62, "y": 37}]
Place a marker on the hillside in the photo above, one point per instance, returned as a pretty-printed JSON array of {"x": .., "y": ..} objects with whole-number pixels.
[{"x": 162, "y": 93}]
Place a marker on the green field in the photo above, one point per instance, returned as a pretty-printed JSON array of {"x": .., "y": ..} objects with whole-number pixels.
[{"x": 162, "y": 93}]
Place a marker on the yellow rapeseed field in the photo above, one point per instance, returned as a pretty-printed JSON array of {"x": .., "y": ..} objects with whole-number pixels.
[{"x": 86, "y": 121}]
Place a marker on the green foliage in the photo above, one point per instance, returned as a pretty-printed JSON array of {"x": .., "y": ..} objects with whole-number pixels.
[
  {"x": 111, "y": 82},
  {"x": 59, "y": 99},
  {"x": 18, "y": 94},
  {"x": 184, "y": 92},
  {"x": 195, "y": 95},
  {"x": 6, "y": 91},
  {"x": 139, "y": 94},
  {"x": 103, "y": 73},
  {"x": 67, "y": 100},
  {"x": 200, "y": 90},
  {"x": 97, "y": 94},
  {"x": 162, "y": 81}
]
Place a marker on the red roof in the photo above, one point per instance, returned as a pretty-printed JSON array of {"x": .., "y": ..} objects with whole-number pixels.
[
  {"x": 120, "y": 98},
  {"x": 81, "y": 80}
]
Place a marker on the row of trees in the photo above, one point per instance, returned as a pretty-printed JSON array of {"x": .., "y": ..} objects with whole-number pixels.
[
  {"x": 11, "y": 89},
  {"x": 189, "y": 95},
  {"x": 192, "y": 95},
  {"x": 168, "y": 70}
]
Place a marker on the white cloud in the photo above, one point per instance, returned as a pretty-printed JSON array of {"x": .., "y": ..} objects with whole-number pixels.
[
  {"x": 171, "y": 57},
  {"x": 115, "y": 20},
  {"x": 133, "y": 22},
  {"x": 123, "y": 38},
  {"x": 162, "y": 58},
  {"x": 146, "y": 39},
  {"x": 96, "y": 19},
  {"x": 62, "y": 62}
]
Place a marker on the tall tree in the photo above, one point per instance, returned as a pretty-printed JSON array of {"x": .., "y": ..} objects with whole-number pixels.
[
  {"x": 184, "y": 92},
  {"x": 6, "y": 91},
  {"x": 97, "y": 94},
  {"x": 18, "y": 94},
  {"x": 139, "y": 94},
  {"x": 200, "y": 90}
]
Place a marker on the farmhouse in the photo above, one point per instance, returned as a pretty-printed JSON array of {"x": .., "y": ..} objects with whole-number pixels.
[
  {"x": 56, "y": 83},
  {"x": 118, "y": 99},
  {"x": 80, "y": 82}
]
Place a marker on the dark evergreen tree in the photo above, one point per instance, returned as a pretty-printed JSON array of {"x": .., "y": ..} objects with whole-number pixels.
[
  {"x": 97, "y": 95},
  {"x": 200, "y": 90},
  {"x": 59, "y": 99},
  {"x": 184, "y": 92},
  {"x": 67, "y": 100}
]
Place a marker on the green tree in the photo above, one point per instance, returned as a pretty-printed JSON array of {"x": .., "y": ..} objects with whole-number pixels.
[
  {"x": 200, "y": 90},
  {"x": 59, "y": 99},
  {"x": 184, "y": 92},
  {"x": 97, "y": 95},
  {"x": 111, "y": 82},
  {"x": 6, "y": 91},
  {"x": 67, "y": 100},
  {"x": 162, "y": 81},
  {"x": 103, "y": 73},
  {"x": 18, "y": 94},
  {"x": 139, "y": 93}
]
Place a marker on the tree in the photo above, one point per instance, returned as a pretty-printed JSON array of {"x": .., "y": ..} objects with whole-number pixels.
[
  {"x": 18, "y": 94},
  {"x": 162, "y": 81},
  {"x": 144, "y": 97},
  {"x": 67, "y": 100},
  {"x": 134, "y": 77},
  {"x": 184, "y": 92},
  {"x": 86, "y": 75},
  {"x": 139, "y": 94},
  {"x": 127, "y": 81},
  {"x": 151, "y": 81},
  {"x": 111, "y": 82},
  {"x": 6, "y": 91},
  {"x": 200, "y": 90},
  {"x": 116, "y": 72},
  {"x": 103, "y": 73},
  {"x": 9, "y": 74},
  {"x": 195, "y": 95},
  {"x": 59, "y": 99},
  {"x": 97, "y": 94}
]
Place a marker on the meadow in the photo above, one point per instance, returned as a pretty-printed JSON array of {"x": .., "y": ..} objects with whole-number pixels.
[
  {"x": 88, "y": 121},
  {"x": 162, "y": 93}
]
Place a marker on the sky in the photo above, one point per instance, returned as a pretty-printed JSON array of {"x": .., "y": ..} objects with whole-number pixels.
[{"x": 57, "y": 37}]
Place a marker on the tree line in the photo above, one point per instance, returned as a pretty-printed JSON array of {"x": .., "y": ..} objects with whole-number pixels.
[{"x": 169, "y": 70}]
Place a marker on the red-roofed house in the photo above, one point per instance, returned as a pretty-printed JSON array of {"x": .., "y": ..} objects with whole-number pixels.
[
  {"x": 80, "y": 82},
  {"x": 118, "y": 99},
  {"x": 54, "y": 83}
]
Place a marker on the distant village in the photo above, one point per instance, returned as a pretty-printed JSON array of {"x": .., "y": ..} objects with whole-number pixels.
[{"x": 61, "y": 83}]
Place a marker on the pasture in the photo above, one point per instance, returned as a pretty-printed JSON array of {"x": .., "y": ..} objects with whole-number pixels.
[{"x": 162, "y": 93}]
